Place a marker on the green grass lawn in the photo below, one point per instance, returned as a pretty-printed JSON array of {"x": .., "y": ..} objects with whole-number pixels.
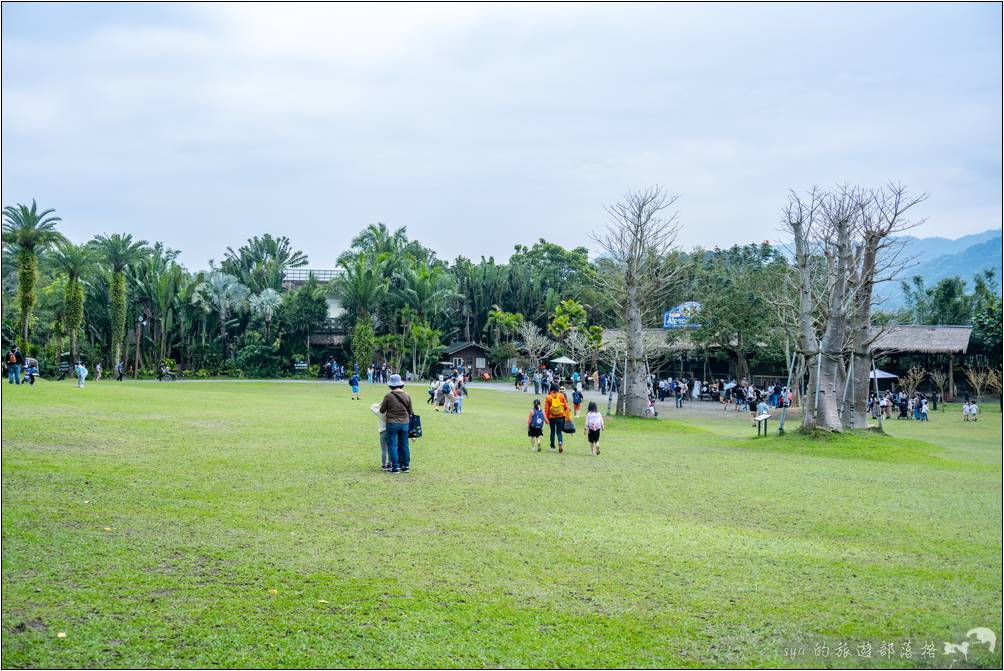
[{"x": 248, "y": 524}]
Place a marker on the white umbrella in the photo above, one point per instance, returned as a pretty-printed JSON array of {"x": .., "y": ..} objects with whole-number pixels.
[
  {"x": 882, "y": 375},
  {"x": 563, "y": 359}
]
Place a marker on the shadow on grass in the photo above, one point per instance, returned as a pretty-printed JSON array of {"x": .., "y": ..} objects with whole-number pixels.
[{"x": 865, "y": 444}]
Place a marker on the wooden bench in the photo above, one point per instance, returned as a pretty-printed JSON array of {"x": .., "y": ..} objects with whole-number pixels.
[{"x": 761, "y": 421}]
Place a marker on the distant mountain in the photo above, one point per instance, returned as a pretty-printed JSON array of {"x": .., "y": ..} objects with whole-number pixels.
[{"x": 938, "y": 258}]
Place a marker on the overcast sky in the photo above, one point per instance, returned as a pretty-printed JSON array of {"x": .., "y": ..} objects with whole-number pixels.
[{"x": 481, "y": 126}]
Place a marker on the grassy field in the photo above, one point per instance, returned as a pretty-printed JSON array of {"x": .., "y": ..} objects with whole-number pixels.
[{"x": 248, "y": 524}]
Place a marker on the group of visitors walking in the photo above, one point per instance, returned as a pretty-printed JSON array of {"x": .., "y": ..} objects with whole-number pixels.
[
  {"x": 558, "y": 415},
  {"x": 448, "y": 391}
]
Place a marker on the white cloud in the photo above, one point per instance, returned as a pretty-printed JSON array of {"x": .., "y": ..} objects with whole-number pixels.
[{"x": 514, "y": 121}]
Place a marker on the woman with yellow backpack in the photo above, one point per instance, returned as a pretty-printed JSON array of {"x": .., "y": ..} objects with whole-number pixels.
[{"x": 556, "y": 410}]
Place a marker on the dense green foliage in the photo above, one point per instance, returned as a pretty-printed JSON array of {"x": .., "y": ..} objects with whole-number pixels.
[
  {"x": 363, "y": 342},
  {"x": 117, "y": 298},
  {"x": 947, "y": 302},
  {"x": 247, "y": 525},
  {"x": 27, "y": 233},
  {"x": 740, "y": 288}
]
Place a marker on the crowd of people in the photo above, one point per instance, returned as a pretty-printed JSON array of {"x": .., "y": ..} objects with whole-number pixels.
[
  {"x": 447, "y": 391},
  {"x": 910, "y": 406},
  {"x": 541, "y": 379}
]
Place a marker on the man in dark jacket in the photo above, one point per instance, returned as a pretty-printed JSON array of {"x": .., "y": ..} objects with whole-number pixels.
[
  {"x": 396, "y": 407},
  {"x": 15, "y": 359}
]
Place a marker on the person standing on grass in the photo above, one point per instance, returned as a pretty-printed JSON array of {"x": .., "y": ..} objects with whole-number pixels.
[
  {"x": 382, "y": 429},
  {"x": 396, "y": 406},
  {"x": 556, "y": 409},
  {"x": 354, "y": 383},
  {"x": 594, "y": 424},
  {"x": 973, "y": 410},
  {"x": 81, "y": 372},
  {"x": 30, "y": 370},
  {"x": 14, "y": 362},
  {"x": 576, "y": 402},
  {"x": 97, "y": 371}
]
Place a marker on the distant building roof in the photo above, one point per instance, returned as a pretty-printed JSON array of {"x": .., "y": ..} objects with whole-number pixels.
[
  {"x": 924, "y": 339},
  {"x": 655, "y": 341},
  {"x": 458, "y": 346},
  {"x": 899, "y": 338}
]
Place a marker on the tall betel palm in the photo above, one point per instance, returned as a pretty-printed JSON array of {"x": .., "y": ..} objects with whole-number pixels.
[
  {"x": 75, "y": 261},
  {"x": 26, "y": 232},
  {"x": 119, "y": 252}
]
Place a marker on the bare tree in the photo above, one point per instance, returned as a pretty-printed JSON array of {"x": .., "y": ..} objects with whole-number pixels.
[
  {"x": 912, "y": 380},
  {"x": 939, "y": 379},
  {"x": 639, "y": 241},
  {"x": 536, "y": 344},
  {"x": 578, "y": 347},
  {"x": 978, "y": 379},
  {"x": 845, "y": 242},
  {"x": 882, "y": 217},
  {"x": 995, "y": 382}
]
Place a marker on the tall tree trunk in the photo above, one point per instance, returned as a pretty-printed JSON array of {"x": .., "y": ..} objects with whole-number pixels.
[
  {"x": 26, "y": 276},
  {"x": 861, "y": 337},
  {"x": 139, "y": 348},
  {"x": 223, "y": 335},
  {"x": 742, "y": 365},
  {"x": 951, "y": 376},
  {"x": 829, "y": 382},
  {"x": 636, "y": 400}
]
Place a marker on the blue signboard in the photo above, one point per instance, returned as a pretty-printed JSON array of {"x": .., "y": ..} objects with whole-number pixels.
[{"x": 682, "y": 316}]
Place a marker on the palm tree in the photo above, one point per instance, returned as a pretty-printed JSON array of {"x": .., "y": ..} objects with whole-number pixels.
[
  {"x": 264, "y": 305},
  {"x": 429, "y": 290},
  {"x": 223, "y": 294},
  {"x": 262, "y": 263},
  {"x": 156, "y": 280},
  {"x": 362, "y": 287},
  {"x": 76, "y": 262},
  {"x": 119, "y": 252},
  {"x": 377, "y": 239},
  {"x": 26, "y": 232}
]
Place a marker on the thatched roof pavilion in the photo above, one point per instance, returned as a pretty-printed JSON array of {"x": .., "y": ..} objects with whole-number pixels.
[{"x": 922, "y": 339}]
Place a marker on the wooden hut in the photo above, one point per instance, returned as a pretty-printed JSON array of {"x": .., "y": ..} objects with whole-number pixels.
[{"x": 901, "y": 346}]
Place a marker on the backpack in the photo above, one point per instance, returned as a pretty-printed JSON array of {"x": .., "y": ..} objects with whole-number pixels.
[
  {"x": 11, "y": 358},
  {"x": 446, "y": 388},
  {"x": 537, "y": 419},
  {"x": 559, "y": 402},
  {"x": 576, "y": 397}
]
